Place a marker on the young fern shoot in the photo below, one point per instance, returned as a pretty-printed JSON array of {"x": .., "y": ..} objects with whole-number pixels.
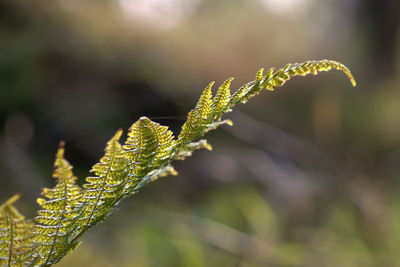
[{"x": 68, "y": 211}]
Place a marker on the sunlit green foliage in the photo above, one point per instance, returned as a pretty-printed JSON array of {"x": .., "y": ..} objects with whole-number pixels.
[
  {"x": 68, "y": 211},
  {"x": 16, "y": 236},
  {"x": 103, "y": 190},
  {"x": 57, "y": 221}
]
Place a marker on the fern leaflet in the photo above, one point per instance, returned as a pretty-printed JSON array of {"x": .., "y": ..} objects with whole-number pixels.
[
  {"x": 148, "y": 147},
  {"x": 57, "y": 222},
  {"x": 17, "y": 244},
  {"x": 107, "y": 184}
]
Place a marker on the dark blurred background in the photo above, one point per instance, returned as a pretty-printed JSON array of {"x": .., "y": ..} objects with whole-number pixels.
[{"x": 307, "y": 176}]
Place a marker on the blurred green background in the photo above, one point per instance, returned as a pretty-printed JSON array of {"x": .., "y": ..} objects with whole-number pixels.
[{"x": 307, "y": 176}]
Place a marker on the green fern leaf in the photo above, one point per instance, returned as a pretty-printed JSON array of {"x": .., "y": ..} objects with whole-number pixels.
[
  {"x": 221, "y": 99},
  {"x": 56, "y": 223},
  {"x": 101, "y": 190},
  {"x": 244, "y": 93},
  {"x": 203, "y": 118},
  {"x": 68, "y": 211},
  {"x": 17, "y": 244},
  {"x": 259, "y": 74},
  {"x": 148, "y": 147},
  {"x": 239, "y": 94},
  {"x": 198, "y": 118},
  {"x": 187, "y": 150},
  {"x": 155, "y": 174},
  {"x": 276, "y": 79}
]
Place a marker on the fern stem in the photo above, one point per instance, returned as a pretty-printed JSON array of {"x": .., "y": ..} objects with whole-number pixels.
[
  {"x": 87, "y": 224},
  {"x": 78, "y": 235},
  {"x": 58, "y": 224},
  {"x": 99, "y": 196},
  {"x": 11, "y": 240}
]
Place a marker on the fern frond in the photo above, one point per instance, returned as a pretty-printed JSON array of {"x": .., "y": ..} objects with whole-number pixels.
[
  {"x": 68, "y": 211},
  {"x": 207, "y": 113},
  {"x": 198, "y": 118},
  {"x": 106, "y": 185},
  {"x": 148, "y": 147},
  {"x": 56, "y": 223},
  {"x": 155, "y": 174},
  {"x": 278, "y": 78},
  {"x": 188, "y": 149},
  {"x": 221, "y": 99},
  {"x": 17, "y": 244}
]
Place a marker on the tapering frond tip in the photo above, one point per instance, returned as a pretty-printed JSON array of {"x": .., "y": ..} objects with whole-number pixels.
[
  {"x": 350, "y": 76},
  {"x": 60, "y": 151},
  {"x": 208, "y": 147},
  {"x": 339, "y": 66},
  {"x": 221, "y": 99},
  {"x": 8, "y": 209},
  {"x": 116, "y": 136},
  {"x": 61, "y": 165},
  {"x": 142, "y": 121},
  {"x": 209, "y": 86},
  {"x": 10, "y": 201},
  {"x": 326, "y": 65},
  {"x": 205, "y": 96},
  {"x": 259, "y": 74},
  {"x": 60, "y": 154}
]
